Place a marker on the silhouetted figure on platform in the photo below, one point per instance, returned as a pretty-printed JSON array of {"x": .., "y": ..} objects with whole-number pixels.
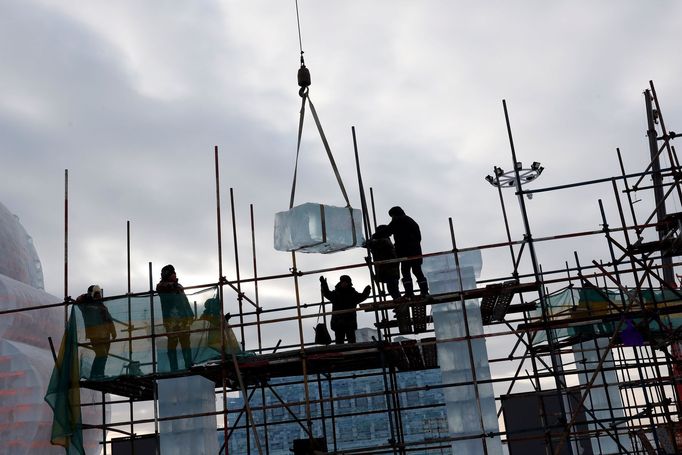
[
  {"x": 177, "y": 316},
  {"x": 99, "y": 327},
  {"x": 407, "y": 237},
  {"x": 382, "y": 249},
  {"x": 344, "y": 297}
]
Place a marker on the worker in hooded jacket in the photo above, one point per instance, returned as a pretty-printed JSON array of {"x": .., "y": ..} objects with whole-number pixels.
[
  {"x": 344, "y": 297},
  {"x": 177, "y": 316}
]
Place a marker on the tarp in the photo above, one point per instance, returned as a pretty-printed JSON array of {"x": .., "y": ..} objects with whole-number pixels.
[{"x": 63, "y": 393}]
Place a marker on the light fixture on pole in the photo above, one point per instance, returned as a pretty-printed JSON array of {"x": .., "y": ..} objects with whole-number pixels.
[{"x": 502, "y": 179}]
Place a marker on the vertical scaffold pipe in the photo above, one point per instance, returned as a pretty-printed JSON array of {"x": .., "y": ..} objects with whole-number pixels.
[
  {"x": 66, "y": 247},
  {"x": 221, "y": 280}
]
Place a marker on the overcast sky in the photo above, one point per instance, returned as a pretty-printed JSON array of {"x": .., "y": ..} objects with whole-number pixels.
[{"x": 132, "y": 96}]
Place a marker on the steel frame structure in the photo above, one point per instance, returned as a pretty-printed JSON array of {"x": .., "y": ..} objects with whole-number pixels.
[{"x": 649, "y": 375}]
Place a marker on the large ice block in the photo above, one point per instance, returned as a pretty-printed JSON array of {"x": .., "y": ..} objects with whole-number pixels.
[
  {"x": 318, "y": 228},
  {"x": 441, "y": 271},
  {"x": 180, "y": 397},
  {"x": 465, "y": 417}
]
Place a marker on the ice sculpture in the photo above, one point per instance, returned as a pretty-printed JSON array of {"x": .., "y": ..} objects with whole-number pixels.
[
  {"x": 318, "y": 228},
  {"x": 180, "y": 397},
  {"x": 464, "y": 414},
  {"x": 604, "y": 398},
  {"x": 18, "y": 257},
  {"x": 25, "y": 357}
]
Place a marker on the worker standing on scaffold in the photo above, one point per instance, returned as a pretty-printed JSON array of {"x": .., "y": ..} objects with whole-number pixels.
[
  {"x": 407, "y": 237},
  {"x": 99, "y": 327},
  {"x": 344, "y": 297},
  {"x": 382, "y": 249},
  {"x": 177, "y": 316}
]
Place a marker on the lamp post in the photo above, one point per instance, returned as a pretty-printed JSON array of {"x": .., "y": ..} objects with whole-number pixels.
[{"x": 513, "y": 179}]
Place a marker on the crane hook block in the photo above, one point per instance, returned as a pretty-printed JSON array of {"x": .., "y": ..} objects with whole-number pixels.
[{"x": 303, "y": 77}]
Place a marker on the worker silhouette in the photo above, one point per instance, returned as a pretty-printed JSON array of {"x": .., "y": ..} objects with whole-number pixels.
[
  {"x": 344, "y": 297},
  {"x": 99, "y": 327},
  {"x": 407, "y": 237},
  {"x": 177, "y": 316},
  {"x": 382, "y": 249}
]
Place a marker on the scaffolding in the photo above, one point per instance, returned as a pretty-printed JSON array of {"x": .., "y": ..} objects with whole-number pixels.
[{"x": 561, "y": 336}]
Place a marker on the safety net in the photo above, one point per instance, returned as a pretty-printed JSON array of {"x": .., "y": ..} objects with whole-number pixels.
[
  {"x": 132, "y": 336},
  {"x": 589, "y": 313},
  {"x": 153, "y": 334}
]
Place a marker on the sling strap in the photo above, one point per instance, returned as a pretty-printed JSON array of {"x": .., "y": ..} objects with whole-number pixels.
[{"x": 305, "y": 97}]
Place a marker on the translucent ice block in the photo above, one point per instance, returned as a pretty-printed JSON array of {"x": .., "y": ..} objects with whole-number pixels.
[
  {"x": 604, "y": 398},
  {"x": 318, "y": 228},
  {"x": 180, "y": 397},
  {"x": 442, "y": 273}
]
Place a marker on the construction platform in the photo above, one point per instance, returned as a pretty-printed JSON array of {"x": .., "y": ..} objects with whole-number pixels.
[{"x": 405, "y": 355}]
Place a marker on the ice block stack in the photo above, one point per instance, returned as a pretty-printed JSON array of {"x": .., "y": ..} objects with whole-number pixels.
[
  {"x": 318, "y": 228},
  {"x": 604, "y": 400},
  {"x": 464, "y": 414},
  {"x": 180, "y": 397}
]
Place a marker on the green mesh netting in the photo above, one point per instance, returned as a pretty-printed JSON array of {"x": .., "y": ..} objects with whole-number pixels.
[
  {"x": 575, "y": 303},
  {"x": 144, "y": 335}
]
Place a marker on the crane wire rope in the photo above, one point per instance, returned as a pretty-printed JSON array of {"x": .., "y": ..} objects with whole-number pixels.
[{"x": 300, "y": 42}]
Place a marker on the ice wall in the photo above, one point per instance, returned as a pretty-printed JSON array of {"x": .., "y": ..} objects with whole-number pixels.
[
  {"x": 318, "y": 228},
  {"x": 25, "y": 419},
  {"x": 464, "y": 414},
  {"x": 25, "y": 357},
  {"x": 604, "y": 396},
  {"x": 180, "y": 397}
]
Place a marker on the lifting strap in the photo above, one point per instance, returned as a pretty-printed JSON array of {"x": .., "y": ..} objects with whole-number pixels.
[{"x": 304, "y": 98}]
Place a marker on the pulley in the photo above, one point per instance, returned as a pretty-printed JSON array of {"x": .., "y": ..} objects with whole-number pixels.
[{"x": 303, "y": 78}]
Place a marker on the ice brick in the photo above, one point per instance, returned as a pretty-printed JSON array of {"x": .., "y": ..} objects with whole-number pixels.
[
  {"x": 180, "y": 397},
  {"x": 318, "y": 228}
]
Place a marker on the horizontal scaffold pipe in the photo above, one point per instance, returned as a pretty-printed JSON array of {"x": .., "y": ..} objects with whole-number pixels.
[{"x": 671, "y": 170}]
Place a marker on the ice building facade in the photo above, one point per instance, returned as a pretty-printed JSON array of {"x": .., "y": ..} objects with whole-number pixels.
[
  {"x": 25, "y": 357},
  {"x": 360, "y": 413}
]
